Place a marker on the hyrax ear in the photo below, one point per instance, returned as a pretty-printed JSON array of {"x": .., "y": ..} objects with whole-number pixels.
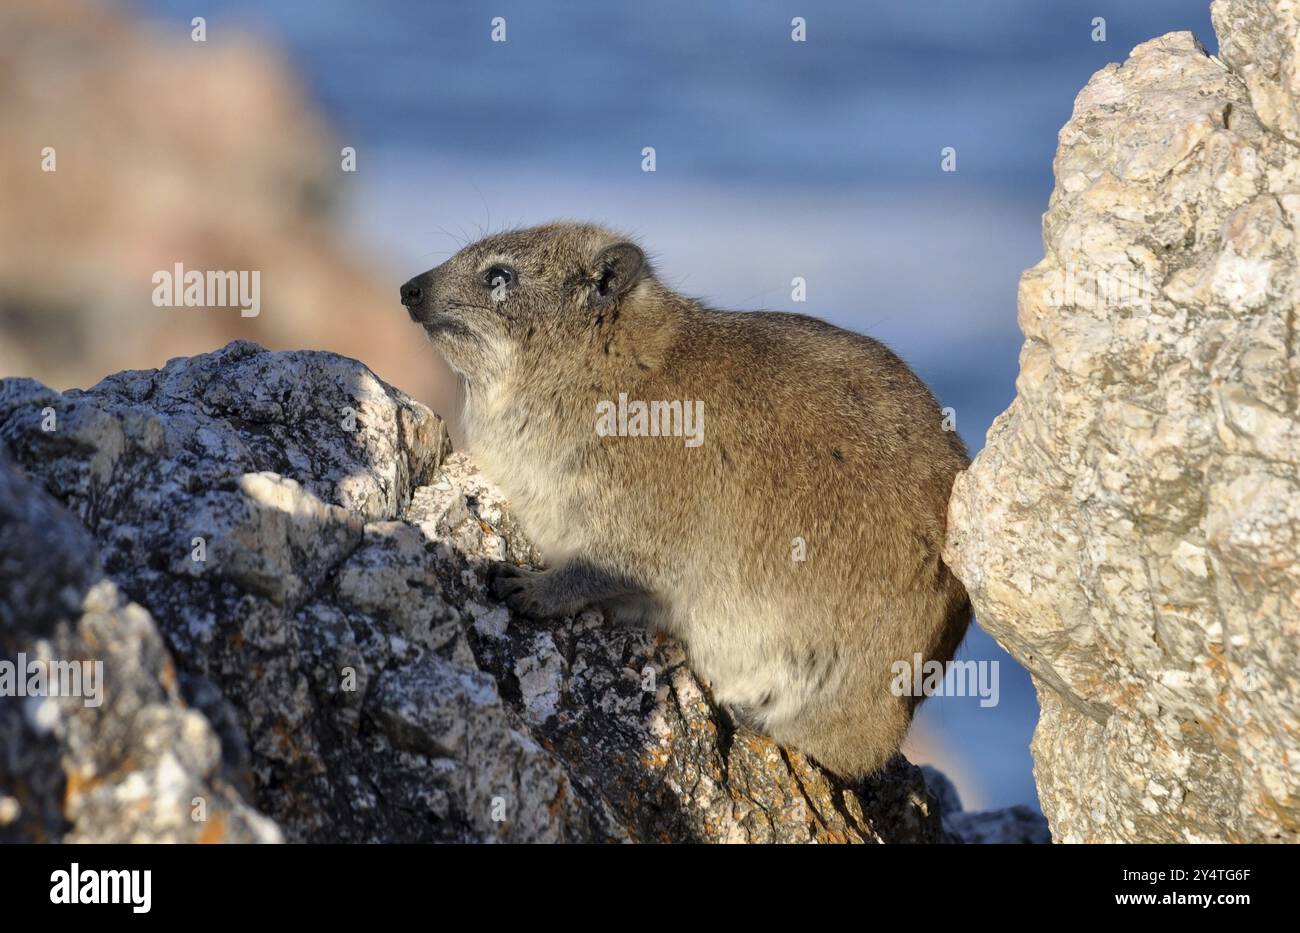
[{"x": 618, "y": 268}]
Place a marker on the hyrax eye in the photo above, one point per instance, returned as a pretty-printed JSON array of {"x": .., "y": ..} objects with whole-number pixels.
[{"x": 499, "y": 276}]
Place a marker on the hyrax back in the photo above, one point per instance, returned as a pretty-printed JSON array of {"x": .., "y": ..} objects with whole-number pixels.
[{"x": 791, "y": 540}]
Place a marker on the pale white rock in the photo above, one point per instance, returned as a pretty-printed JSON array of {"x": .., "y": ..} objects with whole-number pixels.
[{"x": 1131, "y": 530}]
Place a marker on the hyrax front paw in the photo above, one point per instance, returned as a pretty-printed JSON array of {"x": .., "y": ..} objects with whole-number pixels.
[{"x": 522, "y": 590}]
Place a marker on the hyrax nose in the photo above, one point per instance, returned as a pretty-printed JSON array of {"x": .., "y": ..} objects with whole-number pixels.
[{"x": 412, "y": 295}]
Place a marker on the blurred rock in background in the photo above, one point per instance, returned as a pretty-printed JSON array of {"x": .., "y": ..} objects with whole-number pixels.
[{"x": 172, "y": 151}]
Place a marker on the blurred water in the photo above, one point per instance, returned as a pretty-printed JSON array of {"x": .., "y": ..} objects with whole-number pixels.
[{"x": 775, "y": 159}]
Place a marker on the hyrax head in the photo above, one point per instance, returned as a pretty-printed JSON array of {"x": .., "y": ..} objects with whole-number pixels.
[{"x": 544, "y": 289}]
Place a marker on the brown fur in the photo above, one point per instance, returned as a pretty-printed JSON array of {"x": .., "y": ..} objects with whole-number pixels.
[{"x": 810, "y": 432}]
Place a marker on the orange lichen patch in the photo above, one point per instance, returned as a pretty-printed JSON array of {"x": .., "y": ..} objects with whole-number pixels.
[
  {"x": 287, "y": 743},
  {"x": 553, "y": 805},
  {"x": 1193, "y": 727},
  {"x": 77, "y": 785},
  {"x": 1223, "y": 695},
  {"x": 1112, "y": 693},
  {"x": 656, "y": 758},
  {"x": 167, "y": 676},
  {"x": 214, "y": 831}
]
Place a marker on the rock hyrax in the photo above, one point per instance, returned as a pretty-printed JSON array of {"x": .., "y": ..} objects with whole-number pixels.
[{"x": 782, "y": 515}]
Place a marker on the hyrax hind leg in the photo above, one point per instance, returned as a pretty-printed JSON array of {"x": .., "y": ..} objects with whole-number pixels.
[{"x": 852, "y": 740}]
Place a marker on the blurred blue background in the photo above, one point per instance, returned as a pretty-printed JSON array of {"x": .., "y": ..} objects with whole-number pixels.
[{"x": 775, "y": 159}]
